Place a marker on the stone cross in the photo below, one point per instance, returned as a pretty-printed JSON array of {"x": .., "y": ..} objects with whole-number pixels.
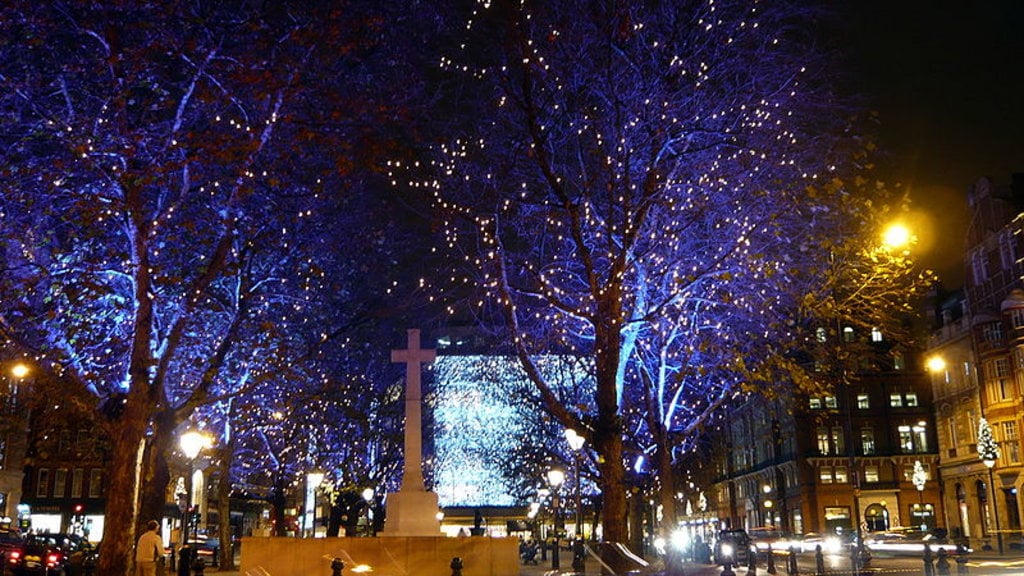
[{"x": 412, "y": 357}]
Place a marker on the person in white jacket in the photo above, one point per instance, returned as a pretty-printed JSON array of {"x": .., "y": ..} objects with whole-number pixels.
[{"x": 148, "y": 550}]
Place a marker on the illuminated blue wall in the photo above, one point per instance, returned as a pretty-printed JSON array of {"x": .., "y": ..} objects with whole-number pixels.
[{"x": 479, "y": 422}]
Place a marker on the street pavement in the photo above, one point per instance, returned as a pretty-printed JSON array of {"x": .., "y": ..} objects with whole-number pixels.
[{"x": 979, "y": 565}]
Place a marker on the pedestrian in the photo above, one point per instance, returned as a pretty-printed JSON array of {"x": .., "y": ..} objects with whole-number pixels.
[{"x": 148, "y": 550}]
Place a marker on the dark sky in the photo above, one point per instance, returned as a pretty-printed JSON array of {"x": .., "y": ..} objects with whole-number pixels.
[{"x": 948, "y": 81}]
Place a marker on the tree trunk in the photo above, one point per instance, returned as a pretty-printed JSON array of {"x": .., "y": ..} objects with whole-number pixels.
[
  {"x": 155, "y": 478},
  {"x": 122, "y": 479},
  {"x": 667, "y": 491},
  {"x": 225, "y": 533}
]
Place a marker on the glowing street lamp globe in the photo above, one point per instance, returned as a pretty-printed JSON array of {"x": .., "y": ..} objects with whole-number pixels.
[
  {"x": 193, "y": 442},
  {"x": 556, "y": 477}
]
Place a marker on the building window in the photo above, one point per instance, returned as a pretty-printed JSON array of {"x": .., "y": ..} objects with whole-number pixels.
[
  {"x": 838, "y": 446},
  {"x": 951, "y": 425},
  {"x": 830, "y": 402},
  {"x": 43, "y": 483},
  {"x": 1011, "y": 444},
  {"x": 848, "y": 334},
  {"x": 814, "y": 403},
  {"x": 899, "y": 361},
  {"x": 60, "y": 483},
  {"x": 895, "y": 400},
  {"x": 1007, "y": 250},
  {"x": 978, "y": 266},
  {"x": 867, "y": 440},
  {"x": 992, "y": 332},
  {"x": 825, "y": 474},
  {"x": 876, "y": 335},
  {"x": 1017, "y": 317},
  {"x": 863, "y": 401},
  {"x": 871, "y": 473},
  {"x": 95, "y": 483},
  {"x": 840, "y": 475},
  {"x": 906, "y": 440},
  {"x": 822, "y": 434},
  {"x": 910, "y": 399},
  {"x": 76, "y": 482},
  {"x": 822, "y": 335}
]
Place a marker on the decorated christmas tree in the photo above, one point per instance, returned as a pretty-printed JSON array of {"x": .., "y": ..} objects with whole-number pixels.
[{"x": 988, "y": 449}]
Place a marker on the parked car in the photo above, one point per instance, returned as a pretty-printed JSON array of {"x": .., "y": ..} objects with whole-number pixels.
[
  {"x": 43, "y": 554},
  {"x": 9, "y": 540},
  {"x": 733, "y": 546}
]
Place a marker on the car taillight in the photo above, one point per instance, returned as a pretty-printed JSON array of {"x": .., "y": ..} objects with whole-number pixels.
[
  {"x": 52, "y": 559},
  {"x": 14, "y": 555}
]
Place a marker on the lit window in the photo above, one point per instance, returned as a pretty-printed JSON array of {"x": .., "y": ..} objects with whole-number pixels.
[
  {"x": 920, "y": 437},
  {"x": 814, "y": 403},
  {"x": 825, "y": 474},
  {"x": 830, "y": 401},
  {"x": 899, "y": 361},
  {"x": 910, "y": 399},
  {"x": 822, "y": 335},
  {"x": 876, "y": 335},
  {"x": 895, "y": 400},
  {"x": 837, "y": 440},
  {"x": 867, "y": 440},
  {"x": 848, "y": 334},
  {"x": 840, "y": 475},
  {"x": 823, "y": 446},
  {"x": 906, "y": 439},
  {"x": 871, "y": 473},
  {"x": 863, "y": 401}
]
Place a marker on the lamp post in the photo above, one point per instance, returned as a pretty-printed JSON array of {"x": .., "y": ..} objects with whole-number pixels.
[
  {"x": 555, "y": 479},
  {"x": 988, "y": 451},
  {"x": 919, "y": 478},
  {"x": 368, "y": 498},
  {"x": 576, "y": 442},
  {"x": 192, "y": 443},
  {"x": 313, "y": 481}
]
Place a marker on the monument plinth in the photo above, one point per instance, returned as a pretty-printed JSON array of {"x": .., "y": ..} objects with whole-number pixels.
[{"x": 412, "y": 511}]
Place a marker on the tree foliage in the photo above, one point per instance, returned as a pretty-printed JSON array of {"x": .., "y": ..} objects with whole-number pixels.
[
  {"x": 653, "y": 186},
  {"x": 177, "y": 223}
]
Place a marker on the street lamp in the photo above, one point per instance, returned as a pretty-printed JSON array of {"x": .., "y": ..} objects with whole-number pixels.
[
  {"x": 988, "y": 451},
  {"x": 192, "y": 443},
  {"x": 313, "y": 481},
  {"x": 919, "y": 478},
  {"x": 576, "y": 442},
  {"x": 555, "y": 479},
  {"x": 368, "y": 498}
]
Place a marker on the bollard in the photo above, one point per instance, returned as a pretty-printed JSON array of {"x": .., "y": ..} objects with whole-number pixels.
[
  {"x": 929, "y": 566},
  {"x": 771, "y": 559},
  {"x": 337, "y": 566},
  {"x": 184, "y": 560},
  {"x": 792, "y": 568},
  {"x": 198, "y": 566},
  {"x": 961, "y": 560},
  {"x": 578, "y": 556},
  {"x": 942, "y": 566},
  {"x": 819, "y": 561},
  {"x": 456, "y": 566},
  {"x": 752, "y": 562}
]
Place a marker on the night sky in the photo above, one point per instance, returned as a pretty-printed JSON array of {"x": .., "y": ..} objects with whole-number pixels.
[{"x": 947, "y": 79}]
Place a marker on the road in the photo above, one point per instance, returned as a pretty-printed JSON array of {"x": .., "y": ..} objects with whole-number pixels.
[{"x": 881, "y": 564}]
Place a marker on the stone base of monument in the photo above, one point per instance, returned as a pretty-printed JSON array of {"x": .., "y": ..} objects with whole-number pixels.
[
  {"x": 385, "y": 556},
  {"x": 412, "y": 513}
]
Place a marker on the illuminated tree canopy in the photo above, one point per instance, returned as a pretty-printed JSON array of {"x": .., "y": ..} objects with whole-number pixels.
[
  {"x": 187, "y": 217},
  {"x": 653, "y": 186}
]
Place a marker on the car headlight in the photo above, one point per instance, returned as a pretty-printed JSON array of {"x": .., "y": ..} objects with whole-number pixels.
[{"x": 727, "y": 550}]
